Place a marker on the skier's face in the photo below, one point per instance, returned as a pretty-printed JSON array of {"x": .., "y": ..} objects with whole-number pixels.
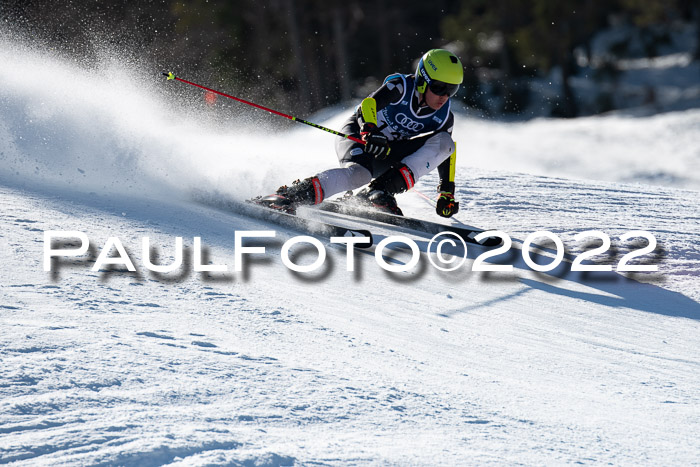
[{"x": 434, "y": 101}]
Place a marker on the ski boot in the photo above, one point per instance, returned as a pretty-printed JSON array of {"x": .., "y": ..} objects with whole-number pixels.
[
  {"x": 379, "y": 194},
  {"x": 288, "y": 198},
  {"x": 379, "y": 199}
]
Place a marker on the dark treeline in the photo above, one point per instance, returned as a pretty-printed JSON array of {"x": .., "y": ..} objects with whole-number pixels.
[{"x": 309, "y": 54}]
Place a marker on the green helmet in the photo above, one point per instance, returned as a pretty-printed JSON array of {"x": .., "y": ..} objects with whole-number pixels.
[{"x": 441, "y": 71}]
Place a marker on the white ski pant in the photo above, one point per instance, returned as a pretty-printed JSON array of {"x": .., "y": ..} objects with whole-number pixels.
[{"x": 352, "y": 175}]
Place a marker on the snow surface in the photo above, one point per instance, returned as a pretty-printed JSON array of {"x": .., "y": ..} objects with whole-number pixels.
[{"x": 271, "y": 367}]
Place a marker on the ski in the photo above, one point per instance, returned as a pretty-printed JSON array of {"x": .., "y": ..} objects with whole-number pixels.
[
  {"x": 298, "y": 223},
  {"x": 467, "y": 233}
]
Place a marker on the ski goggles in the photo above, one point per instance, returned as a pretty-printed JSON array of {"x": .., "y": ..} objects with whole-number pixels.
[{"x": 443, "y": 89}]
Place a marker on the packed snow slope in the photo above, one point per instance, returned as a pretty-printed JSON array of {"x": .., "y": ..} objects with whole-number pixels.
[{"x": 271, "y": 367}]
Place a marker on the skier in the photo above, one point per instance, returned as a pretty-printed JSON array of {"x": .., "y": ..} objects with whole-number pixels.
[{"x": 407, "y": 126}]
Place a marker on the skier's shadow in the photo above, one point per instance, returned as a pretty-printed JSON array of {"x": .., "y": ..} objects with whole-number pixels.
[{"x": 608, "y": 288}]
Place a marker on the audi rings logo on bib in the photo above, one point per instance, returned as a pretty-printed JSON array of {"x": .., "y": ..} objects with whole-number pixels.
[{"x": 408, "y": 123}]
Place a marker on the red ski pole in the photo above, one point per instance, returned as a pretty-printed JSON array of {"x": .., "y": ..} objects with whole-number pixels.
[{"x": 337, "y": 133}]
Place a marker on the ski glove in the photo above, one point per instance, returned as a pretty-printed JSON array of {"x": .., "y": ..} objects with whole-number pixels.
[
  {"x": 377, "y": 144},
  {"x": 446, "y": 204}
]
